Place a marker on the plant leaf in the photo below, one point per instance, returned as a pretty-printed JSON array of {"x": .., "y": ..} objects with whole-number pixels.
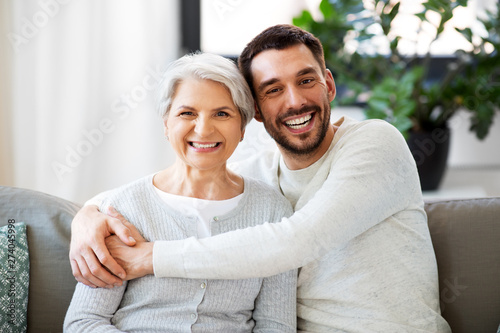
[
  {"x": 326, "y": 9},
  {"x": 467, "y": 33}
]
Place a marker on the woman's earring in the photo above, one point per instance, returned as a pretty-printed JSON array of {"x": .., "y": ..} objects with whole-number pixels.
[{"x": 241, "y": 139}]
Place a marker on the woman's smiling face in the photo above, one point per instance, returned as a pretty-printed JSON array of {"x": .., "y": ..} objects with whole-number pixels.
[{"x": 203, "y": 124}]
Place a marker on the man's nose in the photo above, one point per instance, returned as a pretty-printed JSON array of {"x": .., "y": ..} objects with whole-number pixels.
[{"x": 295, "y": 98}]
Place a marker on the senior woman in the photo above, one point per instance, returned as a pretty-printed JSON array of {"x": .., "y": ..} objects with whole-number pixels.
[{"x": 205, "y": 105}]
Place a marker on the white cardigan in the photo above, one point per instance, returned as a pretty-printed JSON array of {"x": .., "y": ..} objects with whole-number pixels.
[{"x": 149, "y": 304}]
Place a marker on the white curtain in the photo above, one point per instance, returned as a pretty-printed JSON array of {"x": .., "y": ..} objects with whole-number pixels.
[
  {"x": 77, "y": 109},
  {"x": 5, "y": 98}
]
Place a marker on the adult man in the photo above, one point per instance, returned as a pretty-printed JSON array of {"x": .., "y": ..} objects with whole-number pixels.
[{"x": 359, "y": 231}]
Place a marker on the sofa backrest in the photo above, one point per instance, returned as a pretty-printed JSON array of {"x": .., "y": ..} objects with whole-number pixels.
[
  {"x": 51, "y": 283},
  {"x": 466, "y": 239}
]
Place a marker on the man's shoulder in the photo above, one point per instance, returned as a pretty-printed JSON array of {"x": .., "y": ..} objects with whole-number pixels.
[
  {"x": 371, "y": 131},
  {"x": 350, "y": 125},
  {"x": 260, "y": 165}
]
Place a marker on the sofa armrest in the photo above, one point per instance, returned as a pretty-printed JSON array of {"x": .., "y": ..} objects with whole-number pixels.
[
  {"x": 466, "y": 238},
  {"x": 48, "y": 220}
]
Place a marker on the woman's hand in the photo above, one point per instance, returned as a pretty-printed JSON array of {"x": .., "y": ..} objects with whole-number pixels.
[
  {"x": 91, "y": 262},
  {"x": 136, "y": 260}
]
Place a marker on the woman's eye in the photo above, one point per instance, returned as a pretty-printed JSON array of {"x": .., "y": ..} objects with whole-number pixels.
[
  {"x": 186, "y": 114},
  {"x": 222, "y": 114}
]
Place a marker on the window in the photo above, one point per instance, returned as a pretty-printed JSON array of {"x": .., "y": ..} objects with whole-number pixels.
[
  {"x": 228, "y": 25},
  {"x": 225, "y": 26}
]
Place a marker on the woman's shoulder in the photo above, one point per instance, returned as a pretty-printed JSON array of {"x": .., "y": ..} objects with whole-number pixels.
[
  {"x": 256, "y": 185},
  {"x": 129, "y": 191},
  {"x": 261, "y": 193}
]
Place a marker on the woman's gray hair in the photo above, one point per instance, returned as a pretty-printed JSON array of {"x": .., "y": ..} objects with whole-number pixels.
[{"x": 206, "y": 66}]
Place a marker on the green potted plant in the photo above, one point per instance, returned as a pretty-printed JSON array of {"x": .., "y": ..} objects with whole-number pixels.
[{"x": 402, "y": 88}]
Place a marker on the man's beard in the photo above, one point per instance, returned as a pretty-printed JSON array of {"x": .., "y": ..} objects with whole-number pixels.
[{"x": 309, "y": 144}]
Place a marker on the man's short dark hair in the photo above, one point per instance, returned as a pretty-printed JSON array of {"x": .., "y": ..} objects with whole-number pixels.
[{"x": 278, "y": 37}]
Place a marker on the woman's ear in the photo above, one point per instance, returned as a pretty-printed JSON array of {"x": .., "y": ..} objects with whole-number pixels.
[{"x": 165, "y": 126}]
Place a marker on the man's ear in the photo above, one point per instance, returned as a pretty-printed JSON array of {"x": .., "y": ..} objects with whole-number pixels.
[
  {"x": 258, "y": 115},
  {"x": 330, "y": 84}
]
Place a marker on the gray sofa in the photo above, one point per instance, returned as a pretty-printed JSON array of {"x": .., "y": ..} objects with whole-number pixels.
[{"x": 465, "y": 233}]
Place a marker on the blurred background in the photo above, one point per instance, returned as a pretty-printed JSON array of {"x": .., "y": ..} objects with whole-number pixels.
[{"x": 78, "y": 79}]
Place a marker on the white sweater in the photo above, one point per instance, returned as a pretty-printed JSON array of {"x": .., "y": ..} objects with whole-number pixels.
[{"x": 359, "y": 232}]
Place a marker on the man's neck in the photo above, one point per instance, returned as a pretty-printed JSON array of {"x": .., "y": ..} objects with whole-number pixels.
[{"x": 302, "y": 161}]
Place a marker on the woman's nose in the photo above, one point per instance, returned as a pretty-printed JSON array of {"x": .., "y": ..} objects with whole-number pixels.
[{"x": 203, "y": 127}]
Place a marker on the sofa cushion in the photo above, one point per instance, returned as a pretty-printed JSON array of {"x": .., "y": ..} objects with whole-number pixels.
[
  {"x": 14, "y": 274},
  {"x": 48, "y": 221},
  {"x": 466, "y": 239}
]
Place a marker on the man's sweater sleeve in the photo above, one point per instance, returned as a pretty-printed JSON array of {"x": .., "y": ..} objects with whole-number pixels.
[{"x": 372, "y": 177}]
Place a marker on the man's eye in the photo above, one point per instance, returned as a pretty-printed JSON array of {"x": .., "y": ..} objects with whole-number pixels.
[
  {"x": 306, "y": 81},
  {"x": 273, "y": 91}
]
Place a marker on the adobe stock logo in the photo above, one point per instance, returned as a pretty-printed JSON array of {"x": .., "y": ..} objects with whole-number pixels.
[
  {"x": 425, "y": 147},
  {"x": 450, "y": 292},
  {"x": 121, "y": 109},
  {"x": 224, "y": 6},
  {"x": 31, "y": 27}
]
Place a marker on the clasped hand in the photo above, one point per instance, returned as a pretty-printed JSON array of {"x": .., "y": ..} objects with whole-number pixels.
[{"x": 106, "y": 249}]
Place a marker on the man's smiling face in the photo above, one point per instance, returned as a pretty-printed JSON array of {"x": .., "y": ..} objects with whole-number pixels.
[{"x": 293, "y": 97}]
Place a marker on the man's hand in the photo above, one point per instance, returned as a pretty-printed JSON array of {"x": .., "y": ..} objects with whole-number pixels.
[
  {"x": 136, "y": 260},
  {"x": 90, "y": 260}
]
